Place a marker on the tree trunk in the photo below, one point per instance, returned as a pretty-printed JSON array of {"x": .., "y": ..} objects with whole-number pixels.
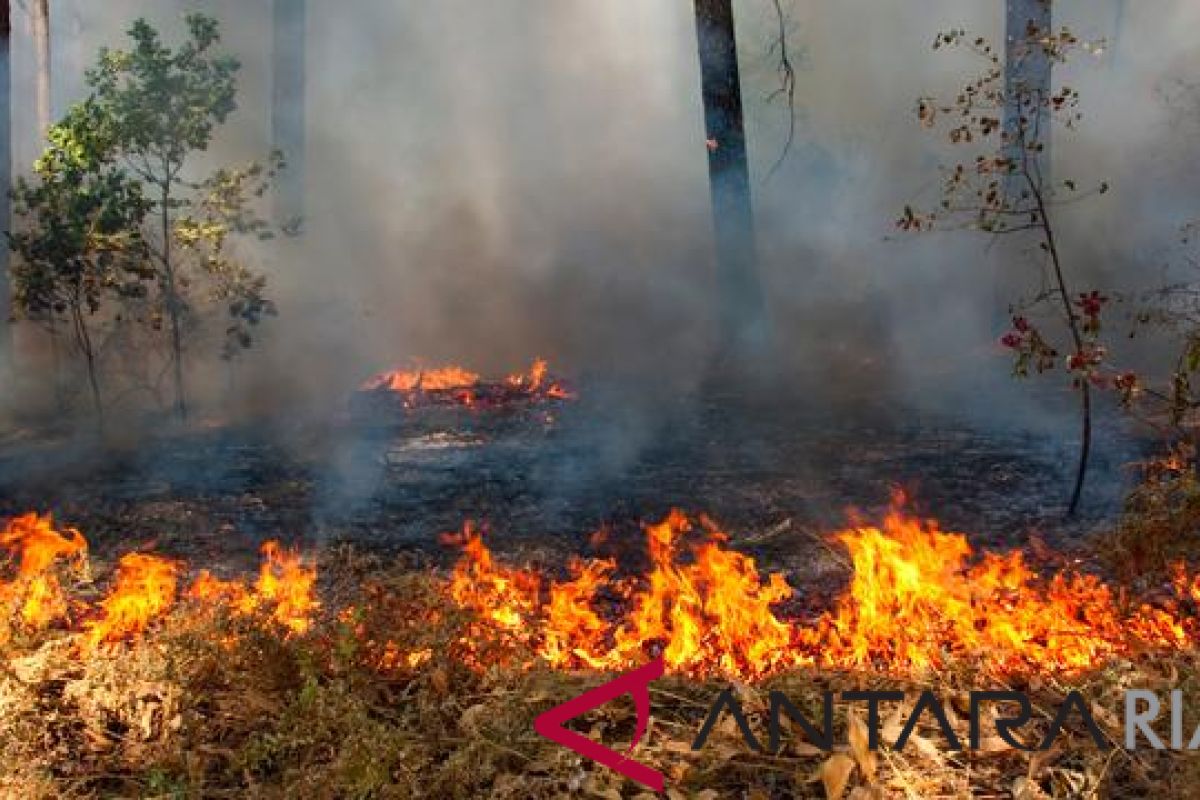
[
  {"x": 6, "y": 349},
  {"x": 40, "y": 17},
  {"x": 173, "y": 303},
  {"x": 1028, "y": 75},
  {"x": 740, "y": 295},
  {"x": 288, "y": 107}
]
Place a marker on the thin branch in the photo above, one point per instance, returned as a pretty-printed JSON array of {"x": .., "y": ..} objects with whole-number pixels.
[{"x": 787, "y": 87}]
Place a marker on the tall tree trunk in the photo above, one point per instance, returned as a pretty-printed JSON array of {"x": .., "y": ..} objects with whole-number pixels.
[
  {"x": 1028, "y": 75},
  {"x": 289, "y": 47},
  {"x": 40, "y": 19},
  {"x": 740, "y": 301},
  {"x": 6, "y": 348}
]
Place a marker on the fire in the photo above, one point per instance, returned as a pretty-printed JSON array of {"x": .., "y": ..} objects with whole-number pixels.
[
  {"x": 919, "y": 599},
  {"x": 710, "y": 615},
  {"x": 506, "y": 598},
  {"x": 457, "y": 386},
  {"x": 443, "y": 379},
  {"x": 35, "y": 595},
  {"x": 287, "y": 583},
  {"x": 144, "y": 591},
  {"x": 285, "y": 591},
  {"x": 145, "y": 587}
]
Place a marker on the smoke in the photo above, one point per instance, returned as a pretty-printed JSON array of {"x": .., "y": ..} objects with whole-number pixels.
[{"x": 493, "y": 181}]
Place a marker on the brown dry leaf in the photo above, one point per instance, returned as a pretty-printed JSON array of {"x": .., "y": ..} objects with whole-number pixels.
[
  {"x": 835, "y": 774},
  {"x": 860, "y": 746},
  {"x": 866, "y": 793},
  {"x": 1025, "y": 789}
]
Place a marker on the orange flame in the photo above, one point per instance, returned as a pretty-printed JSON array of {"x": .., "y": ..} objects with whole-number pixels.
[
  {"x": 455, "y": 385},
  {"x": 285, "y": 590},
  {"x": 441, "y": 379},
  {"x": 507, "y": 598},
  {"x": 287, "y": 582},
  {"x": 918, "y": 599},
  {"x": 35, "y": 595},
  {"x": 144, "y": 591}
]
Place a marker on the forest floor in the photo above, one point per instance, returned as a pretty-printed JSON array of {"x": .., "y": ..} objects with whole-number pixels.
[{"x": 214, "y": 706}]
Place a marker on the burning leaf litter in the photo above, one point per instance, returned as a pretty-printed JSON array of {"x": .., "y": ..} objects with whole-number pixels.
[
  {"x": 419, "y": 686},
  {"x": 919, "y": 599},
  {"x": 421, "y": 387}
]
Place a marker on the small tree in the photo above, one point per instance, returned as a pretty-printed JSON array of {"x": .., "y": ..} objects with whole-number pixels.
[
  {"x": 81, "y": 240},
  {"x": 1004, "y": 191},
  {"x": 164, "y": 107},
  {"x": 113, "y": 214}
]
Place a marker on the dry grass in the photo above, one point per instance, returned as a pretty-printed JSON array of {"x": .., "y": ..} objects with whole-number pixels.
[
  {"x": 214, "y": 707},
  {"x": 1160, "y": 524}
]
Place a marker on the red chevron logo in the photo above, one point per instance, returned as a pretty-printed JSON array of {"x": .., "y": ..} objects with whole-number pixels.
[{"x": 636, "y": 683}]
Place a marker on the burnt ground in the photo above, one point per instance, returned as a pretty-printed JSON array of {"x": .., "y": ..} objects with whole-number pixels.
[{"x": 778, "y": 479}]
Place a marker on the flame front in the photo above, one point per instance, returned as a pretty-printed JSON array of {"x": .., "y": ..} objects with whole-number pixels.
[
  {"x": 918, "y": 599},
  {"x": 145, "y": 586}
]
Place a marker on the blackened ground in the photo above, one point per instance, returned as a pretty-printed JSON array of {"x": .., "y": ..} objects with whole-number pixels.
[{"x": 544, "y": 479}]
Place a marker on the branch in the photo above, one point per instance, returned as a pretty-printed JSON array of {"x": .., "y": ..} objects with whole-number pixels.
[{"x": 787, "y": 87}]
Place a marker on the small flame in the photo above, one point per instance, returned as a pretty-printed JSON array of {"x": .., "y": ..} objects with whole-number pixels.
[
  {"x": 144, "y": 591},
  {"x": 442, "y": 379},
  {"x": 35, "y": 595},
  {"x": 285, "y": 590},
  {"x": 454, "y": 385},
  {"x": 287, "y": 583}
]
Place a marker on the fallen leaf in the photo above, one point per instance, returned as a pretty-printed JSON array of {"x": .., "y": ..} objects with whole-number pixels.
[
  {"x": 860, "y": 746},
  {"x": 835, "y": 774}
]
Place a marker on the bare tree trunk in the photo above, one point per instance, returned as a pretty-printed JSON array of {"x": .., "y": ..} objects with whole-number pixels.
[
  {"x": 40, "y": 18},
  {"x": 6, "y": 348},
  {"x": 288, "y": 107},
  {"x": 740, "y": 299}
]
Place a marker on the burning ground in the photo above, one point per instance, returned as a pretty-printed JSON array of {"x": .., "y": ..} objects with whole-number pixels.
[{"x": 223, "y": 615}]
